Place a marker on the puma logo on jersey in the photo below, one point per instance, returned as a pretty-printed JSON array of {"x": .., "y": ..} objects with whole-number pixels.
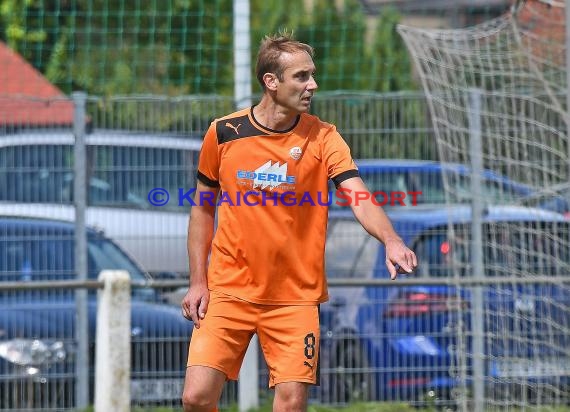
[
  {"x": 308, "y": 364},
  {"x": 235, "y": 128}
]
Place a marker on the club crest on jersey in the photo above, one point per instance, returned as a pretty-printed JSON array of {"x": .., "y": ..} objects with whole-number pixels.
[
  {"x": 268, "y": 175},
  {"x": 295, "y": 152}
]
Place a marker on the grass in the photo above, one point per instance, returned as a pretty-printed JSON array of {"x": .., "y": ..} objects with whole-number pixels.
[
  {"x": 361, "y": 407},
  {"x": 358, "y": 407},
  {"x": 399, "y": 407},
  {"x": 394, "y": 407}
]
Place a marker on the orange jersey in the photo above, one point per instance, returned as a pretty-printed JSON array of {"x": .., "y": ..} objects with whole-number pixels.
[{"x": 272, "y": 210}]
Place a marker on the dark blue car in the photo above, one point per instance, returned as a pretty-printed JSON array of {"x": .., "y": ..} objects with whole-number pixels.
[
  {"x": 37, "y": 345},
  {"x": 414, "y": 343}
]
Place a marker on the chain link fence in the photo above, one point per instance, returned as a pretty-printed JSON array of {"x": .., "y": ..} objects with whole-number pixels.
[{"x": 380, "y": 341}]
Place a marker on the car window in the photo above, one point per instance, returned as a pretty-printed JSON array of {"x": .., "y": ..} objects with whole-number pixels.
[
  {"x": 39, "y": 173},
  {"x": 429, "y": 187},
  {"x": 36, "y": 256},
  {"x": 494, "y": 192},
  {"x": 119, "y": 176},
  {"x": 428, "y": 183},
  {"x": 132, "y": 172},
  {"x": 350, "y": 251},
  {"x": 510, "y": 249},
  {"x": 105, "y": 255}
]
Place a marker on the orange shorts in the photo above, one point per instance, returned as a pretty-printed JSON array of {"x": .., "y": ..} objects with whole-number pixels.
[{"x": 288, "y": 336}]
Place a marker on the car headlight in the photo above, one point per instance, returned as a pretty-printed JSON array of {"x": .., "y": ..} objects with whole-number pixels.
[{"x": 29, "y": 352}]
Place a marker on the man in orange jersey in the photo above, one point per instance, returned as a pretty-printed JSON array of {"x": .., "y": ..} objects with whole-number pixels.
[{"x": 262, "y": 270}]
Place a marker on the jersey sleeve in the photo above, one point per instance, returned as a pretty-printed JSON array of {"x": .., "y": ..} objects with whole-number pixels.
[
  {"x": 337, "y": 158},
  {"x": 209, "y": 161}
]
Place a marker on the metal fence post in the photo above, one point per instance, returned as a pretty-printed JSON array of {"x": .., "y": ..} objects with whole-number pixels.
[
  {"x": 248, "y": 387},
  {"x": 113, "y": 358},
  {"x": 477, "y": 313},
  {"x": 80, "y": 202},
  {"x": 242, "y": 59},
  {"x": 567, "y": 44}
]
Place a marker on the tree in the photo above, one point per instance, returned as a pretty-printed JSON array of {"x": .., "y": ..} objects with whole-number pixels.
[
  {"x": 15, "y": 28},
  {"x": 179, "y": 47},
  {"x": 339, "y": 37},
  {"x": 390, "y": 62},
  {"x": 124, "y": 47}
]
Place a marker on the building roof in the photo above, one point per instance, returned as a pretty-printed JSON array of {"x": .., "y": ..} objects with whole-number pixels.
[{"x": 27, "y": 98}]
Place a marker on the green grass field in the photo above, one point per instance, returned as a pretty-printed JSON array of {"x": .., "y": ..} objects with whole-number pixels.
[
  {"x": 361, "y": 407},
  {"x": 400, "y": 407},
  {"x": 368, "y": 407}
]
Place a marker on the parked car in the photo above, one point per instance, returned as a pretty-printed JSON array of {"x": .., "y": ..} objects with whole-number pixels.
[
  {"x": 37, "y": 345},
  {"x": 122, "y": 168},
  {"x": 426, "y": 179},
  {"x": 413, "y": 342}
]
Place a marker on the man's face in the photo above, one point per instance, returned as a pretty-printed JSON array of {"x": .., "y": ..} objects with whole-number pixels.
[{"x": 296, "y": 89}]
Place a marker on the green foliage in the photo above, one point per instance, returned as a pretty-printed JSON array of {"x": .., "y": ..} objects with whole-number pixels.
[
  {"x": 11, "y": 13},
  {"x": 338, "y": 36},
  {"x": 124, "y": 47},
  {"x": 375, "y": 124},
  {"x": 55, "y": 69},
  {"x": 390, "y": 60},
  {"x": 16, "y": 31},
  {"x": 269, "y": 17},
  {"x": 170, "y": 47},
  {"x": 180, "y": 47}
]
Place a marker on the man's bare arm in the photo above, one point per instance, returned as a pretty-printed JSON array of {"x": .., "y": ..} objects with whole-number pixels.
[
  {"x": 199, "y": 243},
  {"x": 399, "y": 258}
]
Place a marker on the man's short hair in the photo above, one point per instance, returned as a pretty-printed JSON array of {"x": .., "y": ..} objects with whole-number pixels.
[{"x": 270, "y": 50}]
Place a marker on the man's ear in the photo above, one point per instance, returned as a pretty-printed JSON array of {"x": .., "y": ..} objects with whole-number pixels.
[{"x": 270, "y": 80}]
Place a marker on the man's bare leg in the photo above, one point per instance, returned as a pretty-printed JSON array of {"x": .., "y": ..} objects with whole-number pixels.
[{"x": 202, "y": 389}]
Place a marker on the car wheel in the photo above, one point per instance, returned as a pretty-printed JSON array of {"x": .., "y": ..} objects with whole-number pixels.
[{"x": 352, "y": 380}]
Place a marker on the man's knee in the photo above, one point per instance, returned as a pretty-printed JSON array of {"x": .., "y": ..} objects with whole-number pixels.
[
  {"x": 202, "y": 389},
  {"x": 291, "y": 403},
  {"x": 291, "y": 396},
  {"x": 194, "y": 401}
]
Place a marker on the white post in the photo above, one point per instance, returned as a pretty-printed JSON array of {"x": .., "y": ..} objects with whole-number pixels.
[
  {"x": 113, "y": 353},
  {"x": 567, "y": 44},
  {"x": 248, "y": 385},
  {"x": 477, "y": 300},
  {"x": 80, "y": 202},
  {"x": 242, "y": 55}
]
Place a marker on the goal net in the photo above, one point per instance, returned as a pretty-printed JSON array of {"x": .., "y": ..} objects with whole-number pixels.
[{"x": 498, "y": 99}]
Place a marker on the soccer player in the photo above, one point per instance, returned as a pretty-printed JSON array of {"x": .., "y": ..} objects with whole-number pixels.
[{"x": 261, "y": 271}]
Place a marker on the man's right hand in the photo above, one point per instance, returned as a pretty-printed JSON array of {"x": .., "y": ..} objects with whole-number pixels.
[{"x": 195, "y": 303}]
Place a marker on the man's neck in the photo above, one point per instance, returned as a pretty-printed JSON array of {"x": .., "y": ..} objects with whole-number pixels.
[{"x": 273, "y": 116}]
